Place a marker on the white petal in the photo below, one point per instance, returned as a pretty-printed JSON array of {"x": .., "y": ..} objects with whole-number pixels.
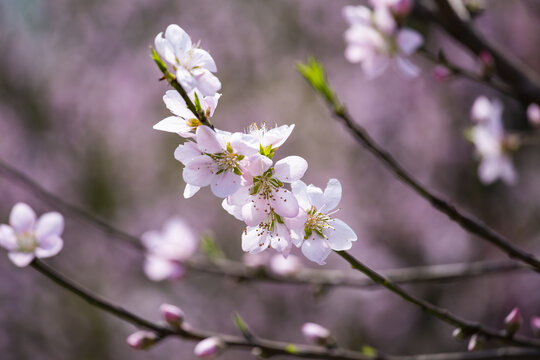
[
  {"x": 296, "y": 227},
  {"x": 234, "y": 210},
  {"x": 199, "y": 171},
  {"x": 299, "y": 189},
  {"x": 8, "y": 240},
  {"x": 240, "y": 197},
  {"x": 179, "y": 39},
  {"x": 357, "y": 14},
  {"x": 290, "y": 169},
  {"x": 174, "y": 124},
  {"x": 151, "y": 240},
  {"x": 49, "y": 224},
  {"x": 190, "y": 190},
  {"x": 284, "y": 203},
  {"x": 207, "y": 141},
  {"x": 374, "y": 66},
  {"x": 409, "y": 41},
  {"x": 187, "y": 152},
  {"x": 185, "y": 79},
  {"x": 507, "y": 171},
  {"x": 277, "y": 136},
  {"x": 225, "y": 184},
  {"x": 481, "y": 109},
  {"x": 280, "y": 239},
  {"x": 355, "y": 53},
  {"x": 180, "y": 239},
  {"x": 256, "y": 165},
  {"x": 384, "y": 20},
  {"x": 207, "y": 82},
  {"x": 254, "y": 240},
  {"x": 332, "y": 195},
  {"x": 316, "y": 196},
  {"x": 316, "y": 249},
  {"x": 176, "y": 104},
  {"x": 490, "y": 169},
  {"x": 22, "y": 218},
  {"x": 165, "y": 49},
  {"x": 255, "y": 211},
  {"x": 158, "y": 269},
  {"x": 340, "y": 237},
  {"x": 407, "y": 67},
  {"x": 211, "y": 103},
  {"x": 201, "y": 58},
  {"x": 21, "y": 259},
  {"x": 49, "y": 246}
]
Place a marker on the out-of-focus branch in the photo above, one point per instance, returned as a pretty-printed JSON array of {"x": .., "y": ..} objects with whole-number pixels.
[
  {"x": 265, "y": 346},
  {"x": 315, "y": 75},
  {"x": 236, "y": 270},
  {"x": 524, "y": 83},
  {"x": 468, "y": 327}
]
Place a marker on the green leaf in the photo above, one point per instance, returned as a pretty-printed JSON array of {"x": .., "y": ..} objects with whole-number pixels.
[
  {"x": 209, "y": 248},
  {"x": 313, "y": 71},
  {"x": 243, "y": 327},
  {"x": 291, "y": 349},
  {"x": 368, "y": 350},
  {"x": 197, "y": 103}
]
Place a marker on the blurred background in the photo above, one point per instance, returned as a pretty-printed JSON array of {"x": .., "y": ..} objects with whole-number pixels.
[{"x": 79, "y": 95}]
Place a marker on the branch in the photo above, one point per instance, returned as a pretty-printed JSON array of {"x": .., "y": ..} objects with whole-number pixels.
[
  {"x": 236, "y": 270},
  {"x": 468, "y": 327},
  {"x": 314, "y": 74},
  {"x": 268, "y": 347}
]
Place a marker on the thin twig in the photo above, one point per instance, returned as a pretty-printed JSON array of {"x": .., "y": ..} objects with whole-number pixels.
[
  {"x": 268, "y": 347},
  {"x": 237, "y": 270},
  {"x": 443, "y": 314}
]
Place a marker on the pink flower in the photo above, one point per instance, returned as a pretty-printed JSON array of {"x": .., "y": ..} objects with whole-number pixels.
[
  {"x": 26, "y": 238},
  {"x": 316, "y": 333},
  {"x": 513, "y": 321},
  {"x": 141, "y": 339},
  {"x": 209, "y": 347},
  {"x": 533, "y": 114},
  {"x": 173, "y": 315}
]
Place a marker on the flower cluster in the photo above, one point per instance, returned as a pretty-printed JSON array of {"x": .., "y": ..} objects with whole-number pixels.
[
  {"x": 375, "y": 38},
  {"x": 239, "y": 167},
  {"x": 492, "y": 143}
]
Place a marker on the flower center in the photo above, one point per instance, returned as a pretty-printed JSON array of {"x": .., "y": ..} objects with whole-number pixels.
[
  {"x": 26, "y": 241},
  {"x": 265, "y": 184},
  {"x": 227, "y": 160},
  {"x": 316, "y": 222}
]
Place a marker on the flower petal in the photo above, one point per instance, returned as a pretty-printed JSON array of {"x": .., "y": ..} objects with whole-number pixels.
[
  {"x": 255, "y": 211},
  {"x": 179, "y": 39},
  {"x": 49, "y": 224},
  {"x": 406, "y": 67},
  {"x": 225, "y": 184},
  {"x": 296, "y": 227},
  {"x": 316, "y": 249},
  {"x": 22, "y": 218},
  {"x": 164, "y": 48},
  {"x": 290, "y": 169},
  {"x": 50, "y": 246},
  {"x": 340, "y": 235},
  {"x": 187, "y": 152},
  {"x": 234, "y": 210},
  {"x": 316, "y": 196},
  {"x": 207, "y": 82},
  {"x": 21, "y": 259},
  {"x": 284, "y": 203},
  {"x": 332, "y": 195},
  {"x": 201, "y": 58},
  {"x": 254, "y": 240},
  {"x": 207, "y": 141},
  {"x": 176, "y": 104},
  {"x": 299, "y": 189},
  {"x": 409, "y": 41},
  {"x": 277, "y": 136},
  {"x": 190, "y": 190},
  {"x": 199, "y": 171},
  {"x": 174, "y": 124},
  {"x": 280, "y": 239},
  {"x": 158, "y": 269},
  {"x": 8, "y": 240}
]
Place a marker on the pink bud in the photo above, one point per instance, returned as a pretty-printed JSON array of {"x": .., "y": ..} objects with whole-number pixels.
[
  {"x": 173, "y": 315},
  {"x": 441, "y": 73},
  {"x": 475, "y": 343},
  {"x": 513, "y": 321},
  {"x": 533, "y": 114},
  {"x": 535, "y": 325},
  {"x": 209, "y": 347},
  {"x": 402, "y": 7},
  {"x": 316, "y": 333},
  {"x": 486, "y": 59},
  {"x": 282, "y": 266},
  {"x": 141, "y": 339}
]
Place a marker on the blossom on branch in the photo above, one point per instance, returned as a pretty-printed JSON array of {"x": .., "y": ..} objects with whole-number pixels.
[
  {"x": 375, "y": 41},
  {"x": 193, "y": 66},
  {"x": 27, "y": 237},
  {"x": 185, "y": 122},
  {"x": 166, "y": 250},
  {"x": 321, "y": 232},
  {"x": 491, "y": 142}
]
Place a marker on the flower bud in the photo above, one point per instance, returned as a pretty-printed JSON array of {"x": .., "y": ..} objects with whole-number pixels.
[
  {"x": 513, "y": 321},
  {"x": 402, "y": 8},
  {"x": 441, "y": 73},
  {"x": 173, "y": 315},
  {"x": 533, "y": 114},
  {"x": 458, "y": 334},
  {"x": 475, "y": 343},
  {"x": 317, "y": 334},
  {"x": 535, "y": 325},
  {"x": 141, "y": 339},
  {"x": 209, "y": 347},
  {"x": 487, "y": 62}
]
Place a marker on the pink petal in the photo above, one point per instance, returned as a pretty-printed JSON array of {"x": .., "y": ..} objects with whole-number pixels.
[
  {"x": 49, "y": 224},
  {"x": 21, "y": 259},
  {"x": 290, "y": 169},
  {"x": 22, "y": 218}
]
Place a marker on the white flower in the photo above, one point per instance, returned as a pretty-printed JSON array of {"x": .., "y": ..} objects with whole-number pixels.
[
  {"x": 185, "y": 122},
  {"x": 193, "y": 66},
  {"x": 166, "y": 250},
  {"x": 215, "y": 159},
  {"x": 374, "y": 40},
  {"x": 272, "y": 232},
  {"x": 26, "y": 238},
  {"x": 269, "y": 140},
  {"x": 321, "y": 232},
  {"x": 489, "y": 139},
  {"x": 533, "y": 114}
]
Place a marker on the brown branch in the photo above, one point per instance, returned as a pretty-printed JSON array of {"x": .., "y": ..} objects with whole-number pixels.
[{"x": 267, "y": 347}]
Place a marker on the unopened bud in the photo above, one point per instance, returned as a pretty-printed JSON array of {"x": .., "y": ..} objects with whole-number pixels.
[
  {"x": 173, "y": 315},
  {"x": 488, "y": 64},
  {"x": 535, "y": 325},
  {"x": 458, "y": 334},
  {"x": 513, "y": 321},
  {"x": 317, "y": 334},
  {"x": 441, "y": 73},
  {"x": 141, "y": 339},
  {"x": 209, "y": 347},
  {"x": 533, "y": 114},
  {"x": 282, "y": 266},
  {"x": 475, "y": 343},
  {"x": 402, "y": 8}
]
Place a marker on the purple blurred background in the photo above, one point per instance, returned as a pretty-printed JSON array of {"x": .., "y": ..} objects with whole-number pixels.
[{"x": 78, "y": 98}]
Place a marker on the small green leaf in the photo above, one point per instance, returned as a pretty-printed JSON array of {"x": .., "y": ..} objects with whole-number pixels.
[
  {"x": 209, "y": 248},
  {"x": 197, "y": 103},
  {"x": 291, "y": 349},
  {"x": 368, "y": 350},
  {"x": 313, "y": 71},
  {"x": 243, "y": 327}
]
